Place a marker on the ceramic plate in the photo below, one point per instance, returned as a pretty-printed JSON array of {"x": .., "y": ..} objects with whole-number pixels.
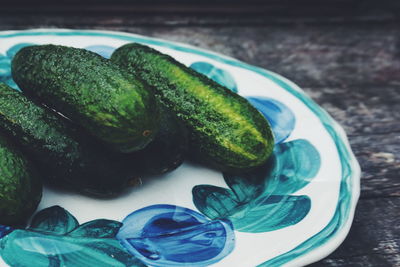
[{"x": 294, "y": 211}]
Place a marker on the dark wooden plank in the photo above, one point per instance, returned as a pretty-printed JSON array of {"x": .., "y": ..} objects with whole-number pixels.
[
  {"x": 379, "y": 157},
  {"x": 371, "y": 118},
  {"x": 321, "y": 56},
  {"x": 374, "y": 239},
  {"x": 274, "y": 8},
  {"x": 362, "y": 110},
  {"x": 183, "y": 12},
  {"x": 10, "y": 20}
]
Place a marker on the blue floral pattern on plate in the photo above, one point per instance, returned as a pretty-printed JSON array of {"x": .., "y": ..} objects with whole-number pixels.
[
  {"x": 279, "y": 116},
  {"x": 221, "y": 76},
  {"x": 103, "y": 50},
  {"x": 260, "y": 200},
  {"x": 55, "y": 238},
  {"x": 168, "y": 235}
]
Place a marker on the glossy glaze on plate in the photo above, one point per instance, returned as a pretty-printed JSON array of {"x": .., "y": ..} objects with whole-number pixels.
[{"x": 292, "y": 211}]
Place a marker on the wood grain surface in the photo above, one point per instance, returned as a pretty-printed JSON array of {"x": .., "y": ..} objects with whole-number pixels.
[{"x": 348, "y": 62}]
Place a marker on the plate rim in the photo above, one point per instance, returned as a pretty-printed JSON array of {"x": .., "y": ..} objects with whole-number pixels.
[{"x": 351, "y": 178}]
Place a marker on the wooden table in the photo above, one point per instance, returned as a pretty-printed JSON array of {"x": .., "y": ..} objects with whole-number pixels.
[{"x": 344, "y": 54}]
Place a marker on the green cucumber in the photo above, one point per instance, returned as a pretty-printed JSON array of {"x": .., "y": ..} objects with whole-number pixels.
[
  {"x": 168, "y": 149},
  {"x": 90, "y": 90},
  {"x": 226, "y": 131},
  {"x": 20, "y": 185},
  {"x": 62, "y": 153}
]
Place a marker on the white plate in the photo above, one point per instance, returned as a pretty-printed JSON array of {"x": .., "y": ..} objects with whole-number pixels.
[{"x": 300, "y": 215}]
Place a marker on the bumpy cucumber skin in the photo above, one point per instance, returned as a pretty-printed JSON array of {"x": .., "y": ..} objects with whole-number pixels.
[
  {"x": 63, "y": 154},
  {"x": 168, "y": 149},
  {"x": 20, "y": 185},
  {"x": 226, "y": 131},
  {"x": 87, "y": 88}
]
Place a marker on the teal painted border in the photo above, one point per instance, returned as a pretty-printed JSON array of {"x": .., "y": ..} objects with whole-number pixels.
[{"x": 349, "y": 165}]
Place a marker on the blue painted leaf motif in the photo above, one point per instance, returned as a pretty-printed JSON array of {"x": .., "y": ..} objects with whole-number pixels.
[
  {"x": 221, "y": 76},
  {"x": 251, "y": 184},
  {"x": 22, "y": 248},
  {"x": 103, "y": 50},
  {"x": 263, "y": 214},
  {"x": 271, "y": 213},
  {"x": 5, "y": 70},
  {"x": 215, "y": 202},
  {"x": 280, "y": 117},
  {"x": 296, "y": 164},
  {"x": 259, "y": 200},
  {"x": 291, "y": 167},
  {"x": 167, "y": 235},
  {"x": 10, "y": 82},
  {"x": 97, "y": 229},
  {"x": 47, "y": 243},
  {"x": 54, "y": 220}
]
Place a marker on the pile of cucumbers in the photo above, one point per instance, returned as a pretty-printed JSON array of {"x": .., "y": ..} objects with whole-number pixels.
[{"x": 95, "y": 125}]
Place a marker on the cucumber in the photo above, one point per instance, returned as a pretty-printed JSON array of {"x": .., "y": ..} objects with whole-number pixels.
[
  {"x": 62, "y": 153},
  {"x": 20, "y": 185},
  {"x": 87, "y": 88},
  {"x": 168, "y": 149},
  {"x": 226, "y": 131}
]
